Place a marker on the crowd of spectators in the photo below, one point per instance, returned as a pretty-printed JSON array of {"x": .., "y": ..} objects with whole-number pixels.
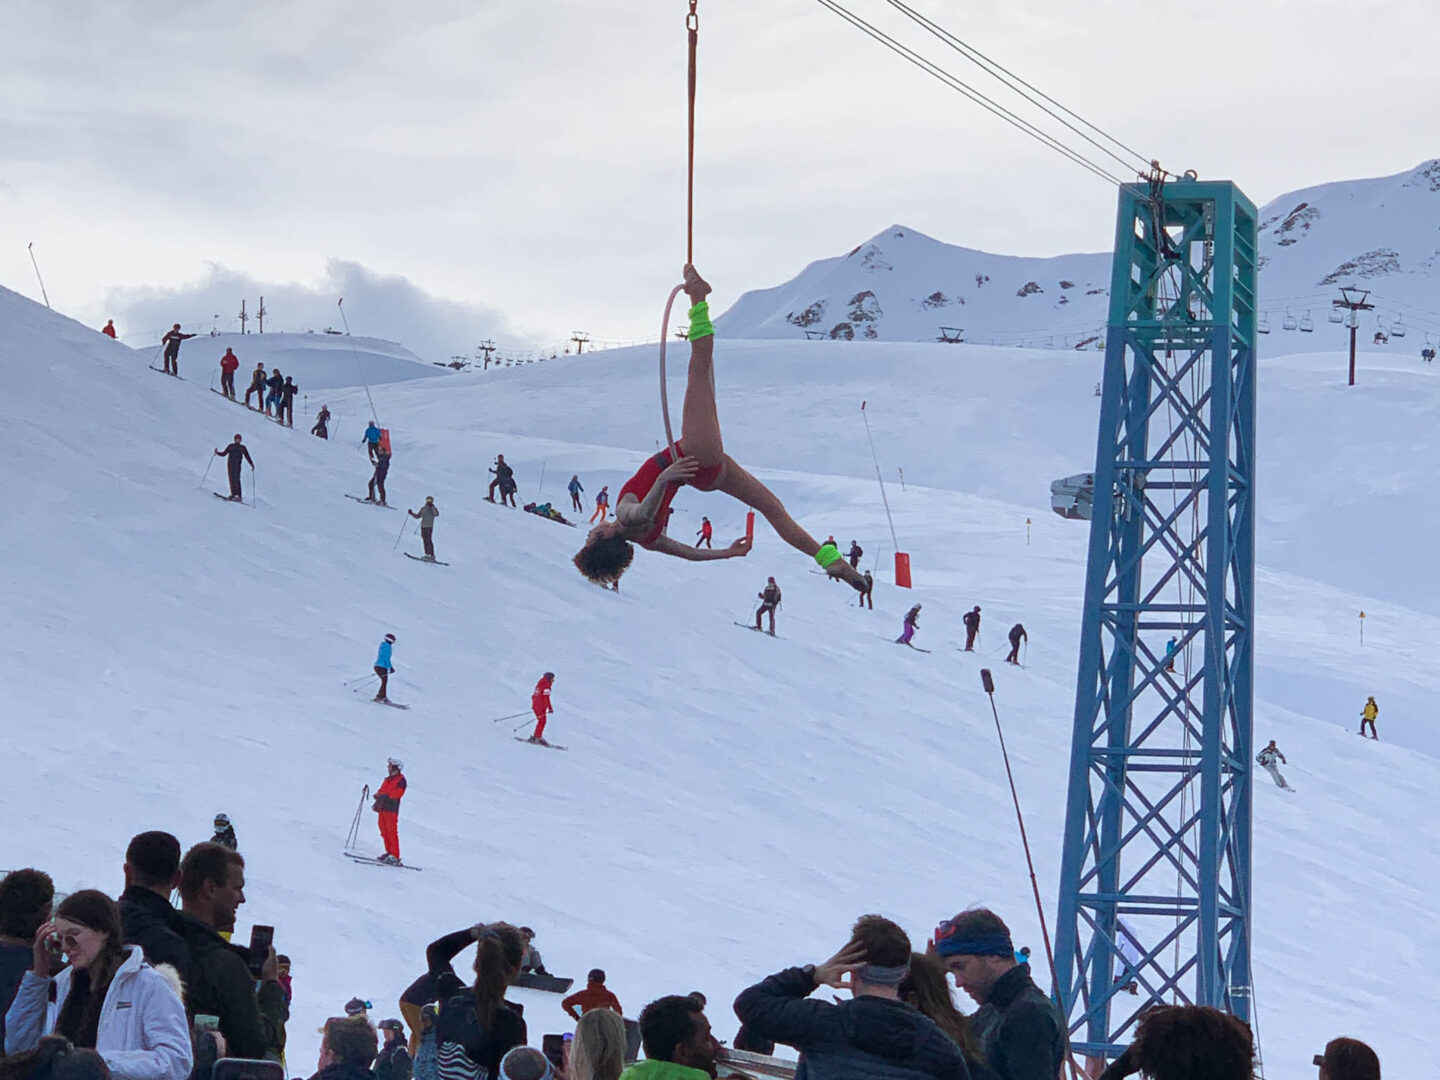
[{"x": 92, "y": 988}]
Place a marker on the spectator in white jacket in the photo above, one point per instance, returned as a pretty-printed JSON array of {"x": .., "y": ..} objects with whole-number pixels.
[{"x": 109, "y": 998}]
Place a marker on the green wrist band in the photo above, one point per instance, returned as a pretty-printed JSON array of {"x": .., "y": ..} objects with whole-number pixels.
[
  {"x": 827, "y": 555},
  {"x": 700, "y": 325}
]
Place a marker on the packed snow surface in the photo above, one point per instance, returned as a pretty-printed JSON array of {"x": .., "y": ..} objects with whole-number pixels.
[{"x": 729, "y": 802}]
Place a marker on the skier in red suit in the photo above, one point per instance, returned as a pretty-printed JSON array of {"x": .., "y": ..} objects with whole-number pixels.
[
  {"x": 540, "y": 702},
  {"x": 387, "y": 805}
]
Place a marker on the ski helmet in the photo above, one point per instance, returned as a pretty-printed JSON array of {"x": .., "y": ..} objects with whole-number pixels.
[
  {"x": 390, "y": 638},
  {"x": 356, "y": 1006},
  {"x": 429, "y": 498},
  {"x": 222, "y": 821},
  {"x": 390, "y": 1025},
  {"x": 396, "y": 762}
]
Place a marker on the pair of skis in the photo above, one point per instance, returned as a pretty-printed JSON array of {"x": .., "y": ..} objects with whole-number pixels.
[
  {"x": 367, "y": 860},
  {"x": 423, "y": 558},
  {"x": 747, "y": 626}
]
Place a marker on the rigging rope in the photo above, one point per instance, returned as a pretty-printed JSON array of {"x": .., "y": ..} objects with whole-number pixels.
[
  {"x": 964, "y": 88},
  {"x": 692, "y": 29},
  {"x": 375, "y": 417}
]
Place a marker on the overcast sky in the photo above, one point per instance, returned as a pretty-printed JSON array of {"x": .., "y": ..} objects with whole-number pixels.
[{"x": 523, "y": 162}]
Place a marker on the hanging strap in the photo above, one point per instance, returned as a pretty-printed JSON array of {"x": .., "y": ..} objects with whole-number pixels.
[{"x": 692, "y": 26}]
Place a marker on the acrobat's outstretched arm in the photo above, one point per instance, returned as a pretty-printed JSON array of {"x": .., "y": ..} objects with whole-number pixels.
[{"x": 739, "y": 549}]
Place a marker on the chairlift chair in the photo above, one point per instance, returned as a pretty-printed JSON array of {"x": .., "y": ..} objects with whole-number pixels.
[
  {"x": 1336, "y": 315},
  {"x": 1263, "y": 326},
  {"x": 1289, "y": 322},
  {"x": 1397, "y": 328},
  {"x": 1307, "y": 325}
]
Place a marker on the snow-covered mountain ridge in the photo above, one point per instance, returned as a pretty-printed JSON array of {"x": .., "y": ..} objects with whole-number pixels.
[{"x": 901, "y": 285}]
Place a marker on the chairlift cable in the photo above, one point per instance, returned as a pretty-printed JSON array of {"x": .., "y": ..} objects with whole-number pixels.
[{"x": 961, "y": 87}]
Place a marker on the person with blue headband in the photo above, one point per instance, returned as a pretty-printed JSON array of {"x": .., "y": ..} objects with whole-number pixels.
[{"x": 1020, "y": 1032}]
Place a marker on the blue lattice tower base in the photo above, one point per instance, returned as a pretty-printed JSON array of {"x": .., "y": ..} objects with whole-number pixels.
[{"x": 1155, "y": 881}]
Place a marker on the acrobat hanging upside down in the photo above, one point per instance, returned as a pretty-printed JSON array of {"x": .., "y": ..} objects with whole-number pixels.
[{"x": 642, "y": 508}]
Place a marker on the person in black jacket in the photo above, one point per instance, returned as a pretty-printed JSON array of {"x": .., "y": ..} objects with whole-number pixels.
[
  {"x": 874, "y": 1036},
  {"x": 152, "y": 872},
  {"x": 286, "y": 413},
  {"x": 972, "y": 627},
  {"x": 233, "y": 455},
  {"x": 854, "y": 554},
  {"x": 769, "y": 601},
  {"x": 172, "y": 349},
  {"x": 476, "y": 1027},
  {"x": 1020, "y": 1032},
  {"x": 382, "y": 469},
  {"x": 26, "y": 897},
  {"x": 504, "y": 478},
  {"x": 212, "y": 887},
  {"x": 393, "y": 1062},
  {"x": 225, "y": 832},
  {"x": 347, "y": 1050}
]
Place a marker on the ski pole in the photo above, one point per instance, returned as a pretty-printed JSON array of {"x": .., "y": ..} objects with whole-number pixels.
[
  {"x": 512, "y": 716},
  {"x": 523, "y": 726},
  {"x": 541, "y": 488},
  {"x": 403, "y": 526},
  {"x": 354, "y": 837},
  {"x": 207, "y": 472},
  {"x": 254, "y": 489},
  {"x": 363, "y": 678},
  {"x": 987, "y": 681}
]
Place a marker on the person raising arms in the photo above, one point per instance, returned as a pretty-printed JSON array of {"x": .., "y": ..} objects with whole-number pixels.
[{"x": 642, "y": 508}]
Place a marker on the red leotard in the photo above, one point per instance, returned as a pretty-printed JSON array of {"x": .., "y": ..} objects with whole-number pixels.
[{"x": 640, "y": 484}]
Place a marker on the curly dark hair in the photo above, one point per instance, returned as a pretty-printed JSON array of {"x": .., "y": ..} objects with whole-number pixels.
[
  {"x": 25, "y": 899},
  {"x": 604, "y": 560},
  {"x": 1193, "y": 1042}
]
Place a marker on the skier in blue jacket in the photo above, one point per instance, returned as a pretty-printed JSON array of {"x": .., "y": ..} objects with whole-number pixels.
[
  {"x": 383, "y": 665},
  {"x": 575, "y": 489},
  {"x": 372, "y": 440}
]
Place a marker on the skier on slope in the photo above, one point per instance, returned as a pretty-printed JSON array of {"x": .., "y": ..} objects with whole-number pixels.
[
  {"x": 382, "y": 469},
  {"x": 1368, "y": 716},
  {"x": 387, "y": 806},
  {"x": 229, "y": 364},
  {"x": 322, "y": 423},
  {"x": 234, "y": 453},
  {"x": 642, "y": 509},
  {"x": 575, "y": 489},
  {"x": 541, "y": 704},
  {"x": 274, "y": 385},
  {"x": 602, "y": 504},
  {"x": 972, "y": 627},
  {"x": 109, "y": 329},
  {"x": 427, "y": 515},
  {"x": 504, "y": 474},
  {"x": 256, "y": 387},
  {"x": 1266, "y": 760},
  {"x": 1017, "y": 635},
  {"x": 371, "y": 439},
  {"x": 384, "y": 667},
  {"x": 769, "y": 601},
  {"x": 912, "y": 623},
  {"x": 286, "y": 413},
  {"x": 172, "y": 349},
  {"x": 707, "y": 531},
  {"x": 854, "y": 554},
  {"x": 867, "y": 596},
  {"x": 225, "y": 833}
]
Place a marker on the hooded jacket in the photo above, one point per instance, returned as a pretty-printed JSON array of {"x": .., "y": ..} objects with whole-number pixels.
[
  {"x": 151, "y": 922},
  {"x": 1020, "y": 1032},
  {"x": 143, "y": 1033},
  {"x": 867, "y": 1038},
  {"x": 252, "y": 1022}
]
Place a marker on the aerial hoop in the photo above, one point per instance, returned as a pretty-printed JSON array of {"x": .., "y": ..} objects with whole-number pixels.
[{"x": 692, "y": 27}]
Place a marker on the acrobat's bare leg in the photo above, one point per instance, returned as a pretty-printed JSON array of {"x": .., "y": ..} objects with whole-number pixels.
[{"x": 736, "y": 482}]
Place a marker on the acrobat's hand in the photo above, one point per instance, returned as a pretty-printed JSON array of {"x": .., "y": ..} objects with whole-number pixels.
[
  {"x": 739, "y": 549},
  {"x": 680, "y": 472},
  {"x": 696, "y": 287}
]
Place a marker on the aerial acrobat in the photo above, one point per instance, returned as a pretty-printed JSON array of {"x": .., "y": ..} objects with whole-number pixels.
[{"x": 642, "y": 507}]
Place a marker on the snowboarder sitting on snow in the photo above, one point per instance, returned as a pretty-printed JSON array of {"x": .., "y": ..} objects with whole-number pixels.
[
  {"x": 427, "y": 515},
  {"x": 854, "y": 554},
  {"x": 235, "y": 452},
  {"x": 384, "y": 667},
  {"x": 371, "y": 439},
  {"x": 1266, "y": 760},
  {"x": 1368, "y": 715},
  {"x": 503, "y": 476},
  {"x": 541, "y": 705},
  {"x": 387, "y": 806},
  {"x": 575, "y": 489},
  {"x": 531, "y": 960},
  {"x": 642, "y": 508},
  {"x": 706, "y": 533},
  {"x": 256, "y": 387},
  {"x": 322, "y": 423},
  {"x": 1017, "y": 635},
  {"x": 972, "y": 627},
  {"x": 769, "y": 601},
  {"x": 912, "y": 623},
  {"x": 225, "y": 833}
]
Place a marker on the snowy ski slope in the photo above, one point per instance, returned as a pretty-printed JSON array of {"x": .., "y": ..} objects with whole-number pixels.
[{"x": 729, "y": 802}]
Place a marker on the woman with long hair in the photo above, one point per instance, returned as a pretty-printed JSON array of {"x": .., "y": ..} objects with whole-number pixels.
[
  {"x": 148, "y": 1040},
  {"x": 642, "y": 509},
  {"x": 926, "y": 988},
  {"x": 598, "y": 1050},
  {"x": 476, "y": 1027}
]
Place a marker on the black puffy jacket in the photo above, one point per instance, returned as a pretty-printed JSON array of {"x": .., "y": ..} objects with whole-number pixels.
[
  {"x": 868, "y": 1038},
  {"x": 150, "y": 921},
  {"x": 1020, "y": 1032}
]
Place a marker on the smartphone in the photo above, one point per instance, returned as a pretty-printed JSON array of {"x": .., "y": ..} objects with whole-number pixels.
[
  {"x": 247, "y": 1069},
  {"x": 206, "y": 1022},
  {"x": 261, "y": 938},
  {"x": 554, "y": 1049}
]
